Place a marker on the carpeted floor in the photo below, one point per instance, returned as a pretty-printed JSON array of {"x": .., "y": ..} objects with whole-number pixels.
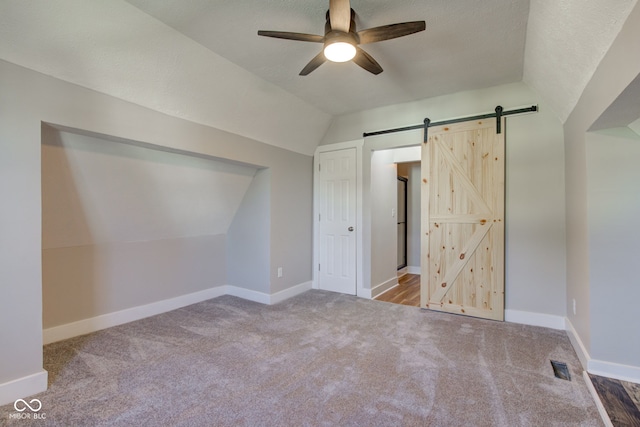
[{"x": 319, "y": 359}]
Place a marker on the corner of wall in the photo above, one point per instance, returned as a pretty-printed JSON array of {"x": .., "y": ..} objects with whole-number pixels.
[
  {"x": 601, "y": 367},
  {"x": 248, "y": 237},
  {"x": 23, "y": 387},
  {"x": 534, "y": 319},
  {"x": 578, "y": 345}
]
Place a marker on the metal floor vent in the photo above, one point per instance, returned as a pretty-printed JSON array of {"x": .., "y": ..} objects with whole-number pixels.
[{"x": 560, "y": 370}]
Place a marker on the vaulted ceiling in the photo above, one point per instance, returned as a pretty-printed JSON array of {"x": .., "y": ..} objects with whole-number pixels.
[
  {"x": 202, "y": 60},
  {"x": 464, "y": 46}
]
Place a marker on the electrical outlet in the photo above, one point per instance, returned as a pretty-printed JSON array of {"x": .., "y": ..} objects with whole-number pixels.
[
  {"x": 279, "y": 271},
  {"x": 393, "y": 213},
  {"x": 574, "y": 306}
]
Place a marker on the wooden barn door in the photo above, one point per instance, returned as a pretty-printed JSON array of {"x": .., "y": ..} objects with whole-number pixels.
[{"x": 463, "y": 219}]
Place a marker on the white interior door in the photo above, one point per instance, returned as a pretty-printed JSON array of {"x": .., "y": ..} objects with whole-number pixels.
[{"x": 337, "y": 221}]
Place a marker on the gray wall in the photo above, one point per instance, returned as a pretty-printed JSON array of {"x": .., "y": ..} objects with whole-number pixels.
[
  {"x": 249, "y": 238},
  {"x": 20, "y": 226},
  {"x": 83, "y": 282},
  {"x": 291, "y": 218},
  {"x": 125, "y": 226},
  {"x": 535, "y": 215},
  {"x": 613, "y": 194},
  {"x": 597, "y": 324},
  {"x": 384, "y": 226},
  {"x": 29, "y": 98}
]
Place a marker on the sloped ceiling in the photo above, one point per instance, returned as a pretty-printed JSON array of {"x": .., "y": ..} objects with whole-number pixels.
[
  {"x": 202, "y": 60},
  {"x": 155, "y": 195},
  {"x": 114, "y": 48},
  {"x": 566, "y": 40},
  {"x": 467, "y": 45},
  {"x": 624, "y": 111}
]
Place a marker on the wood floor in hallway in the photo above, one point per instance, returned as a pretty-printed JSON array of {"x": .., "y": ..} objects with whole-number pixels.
[{"x": 406, "y": 293}]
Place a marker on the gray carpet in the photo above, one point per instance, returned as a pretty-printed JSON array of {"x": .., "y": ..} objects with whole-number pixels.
[{"x": 319, "y": 359}]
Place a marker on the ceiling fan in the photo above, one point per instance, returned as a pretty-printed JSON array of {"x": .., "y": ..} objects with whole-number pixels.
[{"x": 341, "y": 39}]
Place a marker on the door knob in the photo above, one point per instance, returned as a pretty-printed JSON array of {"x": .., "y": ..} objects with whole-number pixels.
[{"x": 350, "y": 228}]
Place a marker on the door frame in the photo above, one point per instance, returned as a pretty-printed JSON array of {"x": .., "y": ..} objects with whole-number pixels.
[
  {"x": 358, "y": 145},
  {"x": 412, "y": 138},
  {"x": 406, "y": 221},
  {"x": 364, "y": 151}
]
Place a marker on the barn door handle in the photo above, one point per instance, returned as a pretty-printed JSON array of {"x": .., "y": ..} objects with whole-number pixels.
[{"x": 350, "y": 229}]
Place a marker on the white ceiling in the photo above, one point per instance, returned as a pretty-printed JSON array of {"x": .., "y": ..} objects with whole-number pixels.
[
  {"x": 566, "y": 40},
  {"x": 624, "y": 111},
  {"x": 464, "y": 46},
  {"x": 202, "y": 60}
]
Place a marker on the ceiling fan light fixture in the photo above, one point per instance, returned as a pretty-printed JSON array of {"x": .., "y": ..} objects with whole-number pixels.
[
  {"x": 339, "y": 51},
  {"x": 342, "y": 41}
]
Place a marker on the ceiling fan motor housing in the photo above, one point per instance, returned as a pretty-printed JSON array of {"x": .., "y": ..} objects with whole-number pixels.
[{"x": 352, "y": 25}]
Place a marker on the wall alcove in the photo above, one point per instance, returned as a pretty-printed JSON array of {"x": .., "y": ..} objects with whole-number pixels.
[{"x": 126, "y": 225}]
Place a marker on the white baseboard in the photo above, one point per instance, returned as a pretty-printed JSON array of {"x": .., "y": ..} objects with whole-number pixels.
[
  {"x": 23, "y": 387},
  {"x": 381, "y": 293},
  {"x": 614, "y": 370},
  {"x": 290, "y": 292},
  {"x": 578, "y": 346},
  {"x": 247, "y": 294},
  {"x": 384, "y": 287},
  {"x": 535, "y": 319},
  {"x": 413, "y": 269},
  {"x": 264, "y": 298},
  {"x": 363, "y": 293},
  {"x": 601, "y": 367},
  {"x": 86, "y": 326}
]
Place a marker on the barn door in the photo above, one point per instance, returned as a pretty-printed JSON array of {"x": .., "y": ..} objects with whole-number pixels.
[{"x": 463, "y": 219}]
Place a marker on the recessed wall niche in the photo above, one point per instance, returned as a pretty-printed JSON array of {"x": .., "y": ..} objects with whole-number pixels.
[{"x": 125, "y": 225}]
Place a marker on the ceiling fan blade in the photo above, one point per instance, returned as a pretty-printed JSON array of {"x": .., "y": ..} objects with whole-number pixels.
[
  {"x": 292, "y": 36},
  {"x": 317, "y": 61},
  {"x": 367, "y": 62},
  {"x": 340, "y": 15},
  {"x": 388, "y": 32}
]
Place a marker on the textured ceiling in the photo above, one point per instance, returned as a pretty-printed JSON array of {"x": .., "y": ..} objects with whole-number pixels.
[
  {"x": 202, "y": 60},
  {"x": 566, "y": 40},
  {"x": 114, "y": 48},
  {"x": 467, "y": 45}
]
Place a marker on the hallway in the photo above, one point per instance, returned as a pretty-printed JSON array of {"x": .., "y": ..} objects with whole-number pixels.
[{"x": 406, "y": 293}]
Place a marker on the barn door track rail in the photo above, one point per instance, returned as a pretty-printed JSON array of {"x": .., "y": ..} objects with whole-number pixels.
[{"x": 499, "y": 112}]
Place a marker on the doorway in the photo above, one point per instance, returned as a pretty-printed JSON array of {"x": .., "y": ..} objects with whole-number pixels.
[
  {"x": 465, "y": 173},
  {"x": 406, "y": 292},
  {"x": 407, "y": 289}
]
